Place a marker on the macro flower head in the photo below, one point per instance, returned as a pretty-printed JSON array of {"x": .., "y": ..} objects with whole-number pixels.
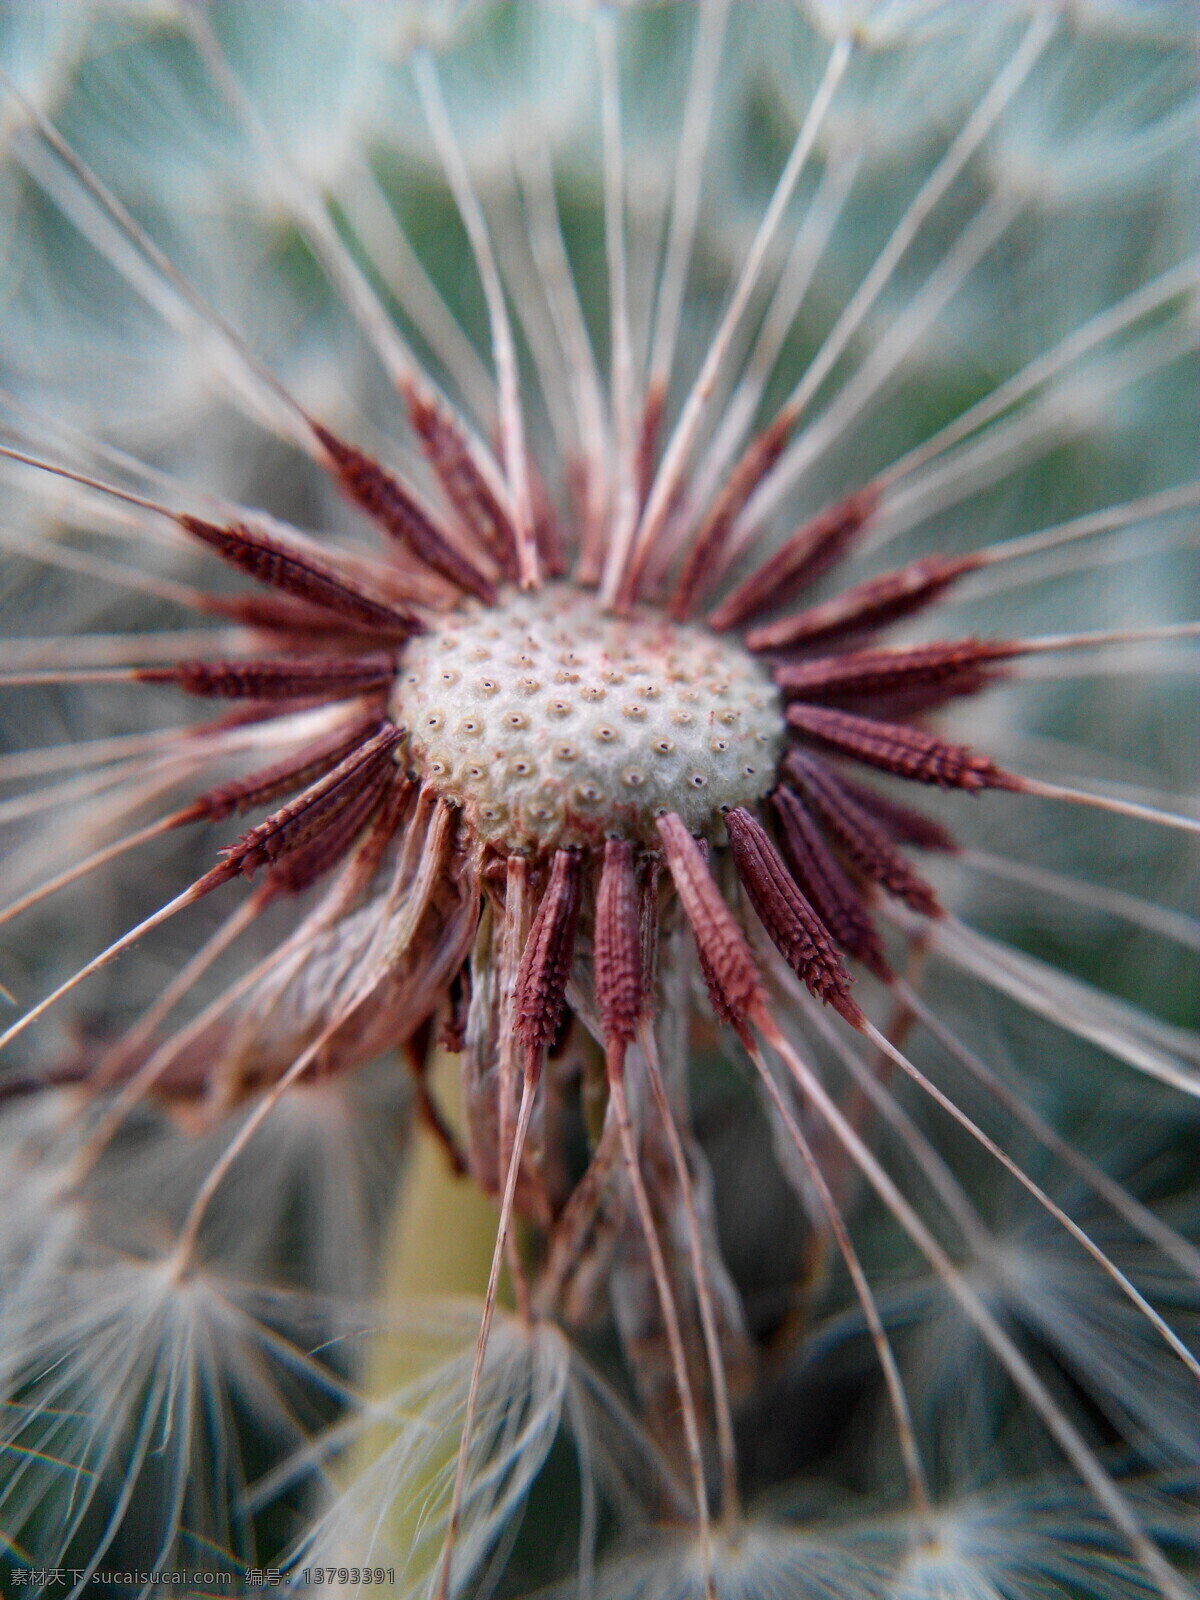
[{"x": 673, "y": 527}]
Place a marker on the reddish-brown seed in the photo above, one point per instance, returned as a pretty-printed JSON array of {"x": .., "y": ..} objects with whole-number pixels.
[
  {"x": 712, "y": 981},
  {"x": 795, "y": 928},
  {"x": 617, "y": 952},
  {"x": 730, "y": 971},
  {"x": 302, "y": 576},
  {"x": 301, "y": 821},
  {"x": 446, "y": 449},
  {"x": 293, "y": 624},
  {"x": 799, "y": 561},
  {"x": 541, "y": 986},
  {"x": 292, "y": 678},
  {"x": 867, "y": 606},
  {"x": 905, "y": 704},
  {"x": 372, "y": 819},
  {"x": 708, "y": 544},
  {"x": 284, "y": 777},
  {"x": 383, "y": 497},
  {"x": 854, "y": 827},
  {"x": 896, "y": 748},
  {"x": 945, "y": 664},
  {"x": 303, "y": 865},
  {"x": 834, "y": 897},
  {"x": 903, "y": 823}
]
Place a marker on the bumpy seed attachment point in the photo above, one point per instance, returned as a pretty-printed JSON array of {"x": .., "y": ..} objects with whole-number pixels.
[
  {"x": 553, "y": 724},
  {"x": 796, "y": 929}
]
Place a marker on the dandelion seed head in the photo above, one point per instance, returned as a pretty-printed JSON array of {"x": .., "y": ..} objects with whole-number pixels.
[{"x": 621, "y": 618}]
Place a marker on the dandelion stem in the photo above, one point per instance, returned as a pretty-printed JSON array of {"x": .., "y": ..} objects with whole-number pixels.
[
  {"x": 1184, "y": 498},
  {"x": 288, "y": 955},
  {"x": 195, "y": 892},
  {"x": 309, "y": 210},
  {"x": 392, "y": 256},
  {"x": 182, "y": 1256},
  {"x": 69, "y": 559},
  {"x": 809, "y": 246},
  {"x": 125, "y": 1049},
  {"x": 977, "y": 238},
  {"x": 1102, "y": 802},
  {"x": 928, "y": 1160},
  {"x": 1174, "y": 925},
  {"x": 88, "y": 753},
  {"x": 97, "y": 859},
  {"x": 89, "y": 482},
  {"x": 515, "y": 935},
  {"x": 1029, "y": 433},
  {"x": 1067, "y": 1003}
]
